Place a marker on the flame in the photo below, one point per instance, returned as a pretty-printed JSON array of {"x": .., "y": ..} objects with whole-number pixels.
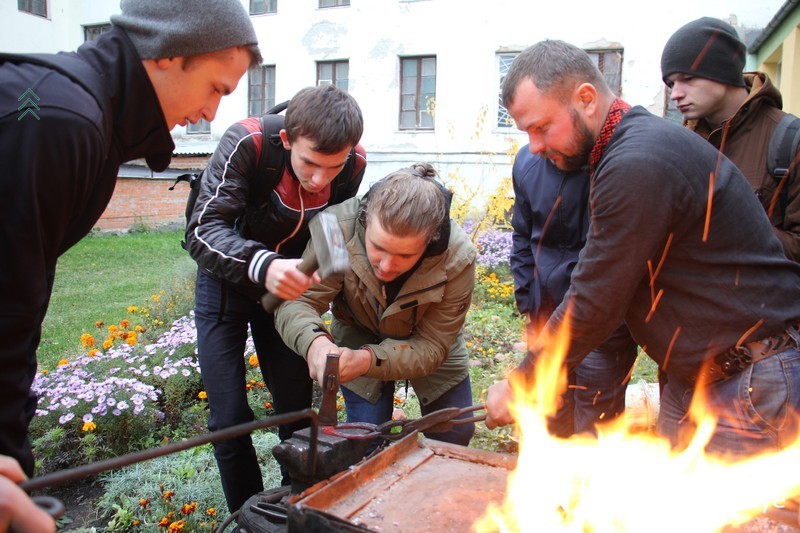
[{"x": 626, "y": 479}]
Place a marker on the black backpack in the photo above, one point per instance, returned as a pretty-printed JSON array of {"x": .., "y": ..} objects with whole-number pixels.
[
  {"x": 270, "y": 160},
  {"x": 781, "y": 155},
  {"x": 78, "y": 71}
]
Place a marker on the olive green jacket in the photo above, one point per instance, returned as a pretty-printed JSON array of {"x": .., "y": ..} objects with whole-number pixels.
[{"x": 418, "y": 337}]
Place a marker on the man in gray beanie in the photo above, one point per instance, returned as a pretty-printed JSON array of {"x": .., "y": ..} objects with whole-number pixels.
[
  {"x": 736, "y": 112},
  {"x": 114, "y": 100}
]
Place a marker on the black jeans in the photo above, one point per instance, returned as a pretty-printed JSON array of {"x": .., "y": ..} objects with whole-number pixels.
[{"x": 222, "y": 316}]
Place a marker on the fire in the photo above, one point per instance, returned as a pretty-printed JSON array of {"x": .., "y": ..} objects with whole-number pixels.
[{"x": 626, "y": 479}]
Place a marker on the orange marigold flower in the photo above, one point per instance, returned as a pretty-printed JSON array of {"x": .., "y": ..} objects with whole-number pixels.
[
  {"x": 253, "y": 360},
  {"x": 112, "y": 328},
  {"x": 108, "y": 343},
  {"x": 268, "y": 405},
  {"x": 99, "y": 324},
  {"x": 87, "y": 340},
  {"x": 131, "y": 340},
  {"x": 123, "y": 335},
  {"x": 211, "y": 512},
  {"x": 89, "y": 426},
  {"x": 189, "y": 508},
  {"x": 93, "y": 352},
  {"x": 203, "y": 395},
  {"x": 398, "y": 401},
  {"x": 63, "y": 362},
  {"x": 135, "y": 523},
  {"x": 132, "y": 309},
  {"x": 144, "y": 502},
  {"x": 124, "y": 323},
  {"x": 164, "y": 522},
  {"x": 248, "y": 386},
  {"x": 175, "y": 527},
  {"x": 168, "y": 494},
  {"x": 140, "y": 329}
]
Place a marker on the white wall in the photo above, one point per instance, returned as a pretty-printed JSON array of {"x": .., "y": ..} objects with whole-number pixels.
[{"x": 465, "y": 36}]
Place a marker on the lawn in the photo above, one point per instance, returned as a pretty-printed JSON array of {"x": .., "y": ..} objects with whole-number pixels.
[{"x": 100, "y": 277}]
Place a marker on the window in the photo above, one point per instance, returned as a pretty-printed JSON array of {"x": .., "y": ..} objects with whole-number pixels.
[
  {"x": 261, "y": 95},
  {"x": 417, "y": 92},
  {"x": 34, "y": 7},
  {"x": 609, "y": 62},
  {"x": 333, "y": 73},
  {"x": 260, "y": 7},
  {"x": 333, "y": 3},
  {"x": 503, "y": 64},
  {"x": 92, "y": 32},
  {"x": 671, "y": 109},
  {"x": 201, "y": 126}
]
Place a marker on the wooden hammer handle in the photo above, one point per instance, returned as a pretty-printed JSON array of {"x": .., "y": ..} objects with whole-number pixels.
[{"x": 307, "y": 266}]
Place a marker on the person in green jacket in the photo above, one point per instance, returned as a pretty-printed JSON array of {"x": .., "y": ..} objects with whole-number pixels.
[{"x": 398, "y": 312}]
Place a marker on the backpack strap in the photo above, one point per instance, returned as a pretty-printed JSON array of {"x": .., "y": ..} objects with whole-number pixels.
[
  {"x": 271, "y": 159},
  {"x": 78, "y": 71},
  {"x": 781, "y": 154}
]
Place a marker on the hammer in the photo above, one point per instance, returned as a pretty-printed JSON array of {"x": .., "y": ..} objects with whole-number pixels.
[{"x": 328, "y": 254}]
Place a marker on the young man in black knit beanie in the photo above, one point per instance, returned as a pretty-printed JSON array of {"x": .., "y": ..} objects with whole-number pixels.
[
  {"x": 115, "y": 99},
  {"x": 736, "y": 112}
]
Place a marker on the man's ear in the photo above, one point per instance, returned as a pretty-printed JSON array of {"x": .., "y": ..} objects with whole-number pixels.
[
  {"x": 285, "y": 139},
  {"x": 586, "y": 99}
]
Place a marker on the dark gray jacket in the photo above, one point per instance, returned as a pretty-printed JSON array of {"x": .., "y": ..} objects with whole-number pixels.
[{"x": 686, "y": 293}]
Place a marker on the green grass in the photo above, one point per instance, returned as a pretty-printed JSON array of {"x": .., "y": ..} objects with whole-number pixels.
[{"x": 100, "y": 277}]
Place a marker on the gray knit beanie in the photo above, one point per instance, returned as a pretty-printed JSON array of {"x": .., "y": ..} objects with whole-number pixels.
[
  {"x": 181, "y": 28},
  {"x": 708, "y": 48}
]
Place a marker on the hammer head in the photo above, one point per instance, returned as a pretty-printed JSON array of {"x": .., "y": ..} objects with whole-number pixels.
[{"x": 329, "y": 245}]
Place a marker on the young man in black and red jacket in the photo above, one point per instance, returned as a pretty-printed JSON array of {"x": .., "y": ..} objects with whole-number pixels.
[{"x": 247, "y": 239}]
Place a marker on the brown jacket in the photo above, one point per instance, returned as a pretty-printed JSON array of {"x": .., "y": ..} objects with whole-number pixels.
[
  {"x": 745, "y": 143},
  {"x": 418, "y": 337}
]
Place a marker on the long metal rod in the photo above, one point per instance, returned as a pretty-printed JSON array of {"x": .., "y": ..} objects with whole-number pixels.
[{"x": 61, "y": 477}]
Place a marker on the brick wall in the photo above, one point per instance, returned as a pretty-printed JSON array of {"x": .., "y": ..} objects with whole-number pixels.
[{"x": 148, "y": 201}]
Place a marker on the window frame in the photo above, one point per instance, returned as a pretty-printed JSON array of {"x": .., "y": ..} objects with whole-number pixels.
[
  {"x": 332, "y": 3},
  {"x": 342, "y": 83},
  {"x": 29, "y": 7},
  {"x": 421, "y": 108},
  {"x": 201, "y": 127},
  {"x": 267, "y": 89},
  {"x": 102, "y": 27},
  {"x": 270, "y": 7}
]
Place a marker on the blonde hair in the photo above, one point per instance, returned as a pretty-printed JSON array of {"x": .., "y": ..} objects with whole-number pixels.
[{"x": 408, "y": 202}]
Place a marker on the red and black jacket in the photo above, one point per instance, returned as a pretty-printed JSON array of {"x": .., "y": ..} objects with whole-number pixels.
[{"x": 237, "y": 228}]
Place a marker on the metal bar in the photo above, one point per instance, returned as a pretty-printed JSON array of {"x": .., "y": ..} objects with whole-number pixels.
[{"x": 61, "y": 477}]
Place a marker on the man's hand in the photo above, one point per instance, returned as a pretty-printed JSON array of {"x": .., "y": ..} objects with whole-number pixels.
[
  {"x": 17, "y": 510},
  {"x": 317, "y": 356},
  {"x": 498, "y": 399},
  {"x": 353, "y": 363},
  {"x": 285, "y": 281}
]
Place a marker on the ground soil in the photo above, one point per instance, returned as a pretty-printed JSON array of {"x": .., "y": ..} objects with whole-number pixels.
[{"x": 80, "y": 503}]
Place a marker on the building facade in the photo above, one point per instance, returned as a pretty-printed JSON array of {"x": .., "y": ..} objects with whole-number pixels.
[{"x": 426, "y": 73}]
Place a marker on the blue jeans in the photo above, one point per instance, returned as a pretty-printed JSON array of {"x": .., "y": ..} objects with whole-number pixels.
[
  {"x": 757, "y": 408},
  {"x": 222, "y": 316},
  {"x": 597, "y": 387},
  {"x": 361, "y": 410}
]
